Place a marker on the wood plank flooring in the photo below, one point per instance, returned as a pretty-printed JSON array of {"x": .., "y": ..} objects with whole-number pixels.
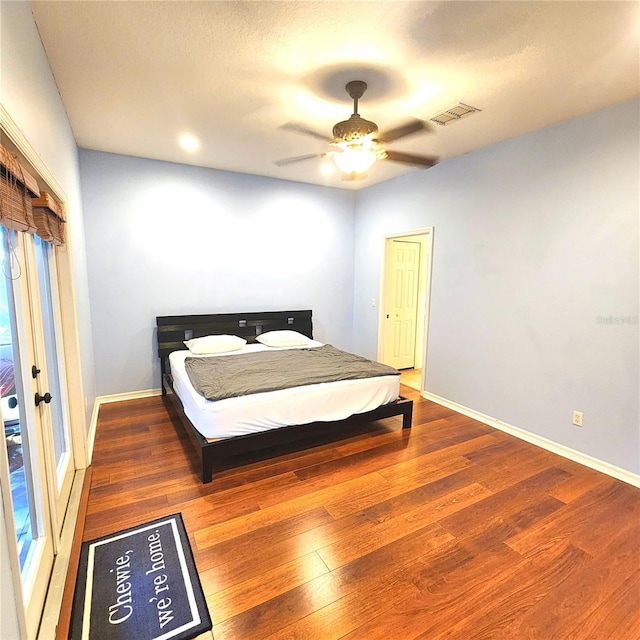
[
  {"x": 411, "y": 378},
  {"x": 453, "y": 530}
]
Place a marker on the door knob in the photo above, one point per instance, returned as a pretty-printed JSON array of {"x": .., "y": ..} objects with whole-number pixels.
[{"x": 46, "y": 398}]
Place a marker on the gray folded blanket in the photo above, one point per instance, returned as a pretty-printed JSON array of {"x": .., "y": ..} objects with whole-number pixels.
[{"x": 230, "y": 376}]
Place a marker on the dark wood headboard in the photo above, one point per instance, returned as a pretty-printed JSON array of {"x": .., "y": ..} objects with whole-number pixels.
[{"x": 174, "y": 330}]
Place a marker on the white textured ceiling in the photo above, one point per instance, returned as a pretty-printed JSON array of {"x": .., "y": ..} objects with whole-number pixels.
[{"x": 135, "y": 75}]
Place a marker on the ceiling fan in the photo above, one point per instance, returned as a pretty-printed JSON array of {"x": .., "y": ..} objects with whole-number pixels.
[{"x": 356, "y": 142}]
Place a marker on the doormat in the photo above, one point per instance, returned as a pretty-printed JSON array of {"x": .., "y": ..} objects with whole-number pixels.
[{"x": 139, "y": 583}]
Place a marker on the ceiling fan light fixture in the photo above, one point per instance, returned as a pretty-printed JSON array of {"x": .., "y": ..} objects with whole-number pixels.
[
  {"x": 354, "y": 160},
  {"x": 355, "y": 128},
  {"x": 358, "y": 156},
  {"x": 356, "y": 143}
]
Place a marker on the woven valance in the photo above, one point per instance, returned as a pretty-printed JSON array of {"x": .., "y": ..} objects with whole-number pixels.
[
  {"x": 24, "y": 207},
  {"x": 16, "y": 188},
  {"x": 49, "y": 218}
]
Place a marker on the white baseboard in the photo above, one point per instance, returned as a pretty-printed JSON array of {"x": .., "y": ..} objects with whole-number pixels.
[
  {"x": 91, "y": 435},
  {"x": 132, "y": 395},
  {"x": 549, "y": 445},
  {"x": 116, "y": 397}
]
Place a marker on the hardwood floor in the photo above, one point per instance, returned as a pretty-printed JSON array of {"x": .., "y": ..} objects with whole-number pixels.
[
  {"x": 453, "y": 530},
  {"x": 411, "y": 378}
]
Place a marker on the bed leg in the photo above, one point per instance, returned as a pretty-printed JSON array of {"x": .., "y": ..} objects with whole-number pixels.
[
  {"x": 207, "y": 468},
  {"x": 407, "y": 416}
]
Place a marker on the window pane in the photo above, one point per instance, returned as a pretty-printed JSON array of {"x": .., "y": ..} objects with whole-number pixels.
[
  {"x": 48, "y": 303},
  {"x": 11, "y": 389}
]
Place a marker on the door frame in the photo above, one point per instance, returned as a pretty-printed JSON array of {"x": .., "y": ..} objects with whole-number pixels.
[{"x": 428, "y": 233}]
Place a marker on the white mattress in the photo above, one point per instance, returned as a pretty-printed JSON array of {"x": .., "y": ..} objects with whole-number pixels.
[{"x": 263, "y": 411}]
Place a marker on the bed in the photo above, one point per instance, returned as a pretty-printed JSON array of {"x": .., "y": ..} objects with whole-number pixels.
[{"x": 225, "y": 427}]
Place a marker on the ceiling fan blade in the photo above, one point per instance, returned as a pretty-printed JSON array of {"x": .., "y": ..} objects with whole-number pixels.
[
  {"x": 286, "y": 161},
  {"x": 300, "y": 128},
  {"x": 409, "y": 158},
  {"x": 407, "y": 129}
]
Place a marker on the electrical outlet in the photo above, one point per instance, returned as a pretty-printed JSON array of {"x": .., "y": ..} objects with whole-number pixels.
[{"x": 577, "y": 418}]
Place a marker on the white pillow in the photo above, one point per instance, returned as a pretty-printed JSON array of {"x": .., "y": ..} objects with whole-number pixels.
[
  {"x": 215, "y": 344},
  {"x": 283, "y": 339}
]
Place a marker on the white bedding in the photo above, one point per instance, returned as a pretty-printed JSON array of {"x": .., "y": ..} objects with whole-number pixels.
[{"x": 263, "y": 411}]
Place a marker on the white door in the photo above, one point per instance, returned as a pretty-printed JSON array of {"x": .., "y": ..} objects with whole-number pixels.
[
  {"x": 51, "y": 381},
  {"x": 34, "y": 411},
  {"x": 401, "y": 303},
  {"x": 27, "y": 504}
]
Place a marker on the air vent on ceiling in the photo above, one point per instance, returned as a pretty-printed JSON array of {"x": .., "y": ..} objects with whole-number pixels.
[{"x": 452, "y": 114}]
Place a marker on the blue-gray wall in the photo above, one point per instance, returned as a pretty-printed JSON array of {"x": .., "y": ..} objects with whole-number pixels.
[
  {"x": 534, "y": 303},
  {"x": 168, "y": 239}
]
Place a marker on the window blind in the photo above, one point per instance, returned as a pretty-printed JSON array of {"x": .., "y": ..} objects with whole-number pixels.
[
  {"x": 17, "y": 186},
  {"x": 49, "y": 218},
  {"x": 24, "y": 207}
]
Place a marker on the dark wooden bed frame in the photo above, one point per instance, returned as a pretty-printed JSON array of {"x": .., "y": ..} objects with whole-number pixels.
[{"x": 173, "y": 330}]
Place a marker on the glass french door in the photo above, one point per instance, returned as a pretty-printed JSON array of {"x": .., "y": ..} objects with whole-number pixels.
[
  {"x": 34, "y": 410},
  {"x": 55, "y": 414}
]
